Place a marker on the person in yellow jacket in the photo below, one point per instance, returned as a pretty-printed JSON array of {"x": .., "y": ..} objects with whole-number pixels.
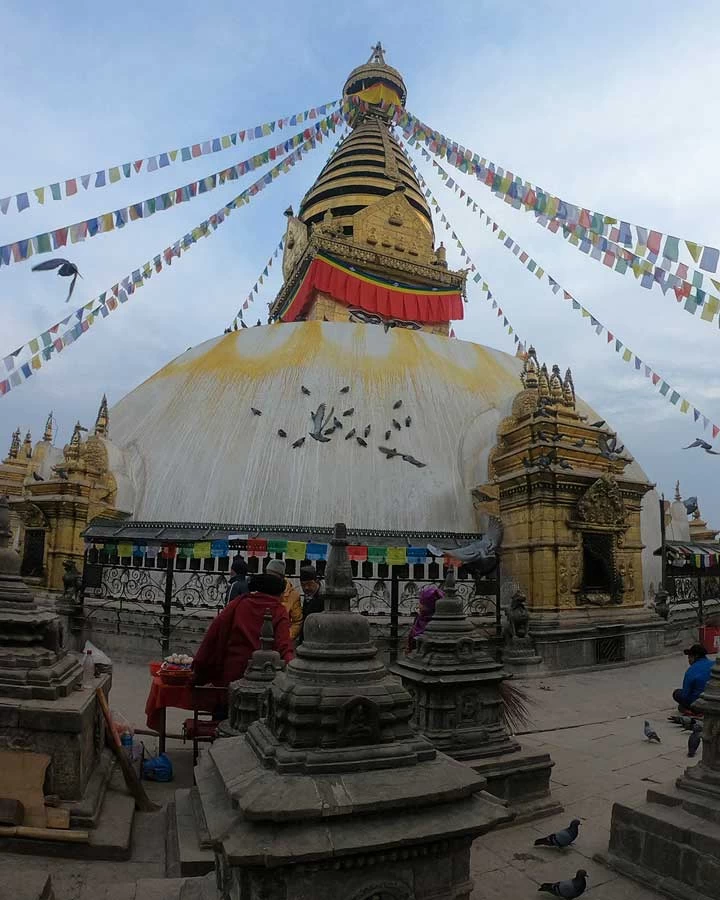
[{"x": 290, "y": 598}]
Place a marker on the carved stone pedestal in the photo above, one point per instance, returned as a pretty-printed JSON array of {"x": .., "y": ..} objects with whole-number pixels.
[
  {"x": 45, "y": 709},
  {"x": 458, "y": 708},
  {"x": 672, "y": 841},
  {"x": 334, "y": 794}
]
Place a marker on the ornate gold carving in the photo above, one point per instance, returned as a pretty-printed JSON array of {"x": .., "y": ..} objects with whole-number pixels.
[
  {"x": 296, "y": 241},
  {"x": 602, "y": 503},
  {"x": 525, "y": 403},
  {"x": 381, "y": 223}
]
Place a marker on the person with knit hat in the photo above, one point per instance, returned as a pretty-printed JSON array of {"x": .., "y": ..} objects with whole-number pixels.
[
  {"x": 234, "y": 635},
  {"x": 237, "y": 584},
  {"x": 313, "y": 600},
  {"x": 290, "y": 598}
]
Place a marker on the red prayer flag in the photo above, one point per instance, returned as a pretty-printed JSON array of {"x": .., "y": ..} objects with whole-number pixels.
[
  {"x": 655, "y": 378},
  {"x": 257, "y": 547},
  {"x": 716, "y": 431},
  {"x": 70, "y": 187},
  {"x": 138, "y": 164},
  {"x": 169, "y": 551},
  {"x": 359, "y": 554}
]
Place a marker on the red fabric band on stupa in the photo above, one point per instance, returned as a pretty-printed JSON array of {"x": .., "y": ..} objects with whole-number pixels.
[{"x": 370, "y": 294}]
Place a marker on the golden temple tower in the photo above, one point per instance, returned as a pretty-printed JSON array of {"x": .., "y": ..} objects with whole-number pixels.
[{"x": 362, "y": 246}]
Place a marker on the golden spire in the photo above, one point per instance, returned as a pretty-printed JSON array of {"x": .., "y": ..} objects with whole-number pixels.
[
  {"x": 529, "y": 376},
  {"x": 27, "y": 446},
  {"x": 72, "y": 451},
  {"x": 543, "y": 383},
  {"x": 103, "y": 419},
  {"x": 48, "y": 434},
  {"x": 569, "y": 390},
  {"x": 14, "y": 444},
  {"x": 677, "y": 491},
  {"x": 556, "y": 385}
]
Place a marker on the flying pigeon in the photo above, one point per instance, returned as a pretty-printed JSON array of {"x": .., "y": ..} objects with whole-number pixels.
[
  {"x": 699, "y": 442},
  {"x": 298, "y": 443},
  {"x": 361, "y": 442},
  {"x": 598, "y": 424},
  {"x": 387, "y": 435},
  {"x": 396, "y": 424},
  {"x": 289, "y": 211},
  {"x": 255, "y": 412},
  {"x": 349, "y": 412},
  {"x": 569, "y": 889},
  {"x": 691, "y": 505},
  {"x": 695, "y": 738},
  {"x": 350, "y": 434},
  {"x": 345, "y": 389},
  {"x": 388, "y": 451},
  {"x": 413, "y": 461},
  {"x": 651, "y": 734},
  {"x": 397, "y": 404},
  {"x": 367, "y": 431},
  {"x": 65, "y": 269},
  {"x": 408, "y": 421},
  {"x": 282, "y": 433},
  {"x": 609, "y": 447},
  {"x": 37, "y": 477},
  {"x": 562, "y": 838},
  {"x": 304, "y": 390}
]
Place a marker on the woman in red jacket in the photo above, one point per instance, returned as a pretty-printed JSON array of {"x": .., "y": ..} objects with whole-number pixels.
[{"x": 234, "y": 634}]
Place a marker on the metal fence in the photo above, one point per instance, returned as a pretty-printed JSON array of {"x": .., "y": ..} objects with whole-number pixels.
[{"x": 165, "y": 593}]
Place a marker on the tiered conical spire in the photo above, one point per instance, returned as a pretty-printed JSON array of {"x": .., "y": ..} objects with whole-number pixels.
[
  {"x": 48, "y": 433},
  {"x": 102, "y": 421}
]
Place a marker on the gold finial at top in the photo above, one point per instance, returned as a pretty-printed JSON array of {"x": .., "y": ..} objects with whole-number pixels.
[
  {"x": 103, "y": 419},
  {"x": 569, "y": 390},
  {"x": 677, "y": 491},
  {"x": 27, "y": 446},
  {"x": 543, "y": 383},
  {"x": 378, "y": 54},
  {"x": 14, "y": 444},
  {"x": 48, "y": 433}
]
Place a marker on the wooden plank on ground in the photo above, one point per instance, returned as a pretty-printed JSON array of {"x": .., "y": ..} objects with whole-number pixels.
[{"x": 22, "y": 776}]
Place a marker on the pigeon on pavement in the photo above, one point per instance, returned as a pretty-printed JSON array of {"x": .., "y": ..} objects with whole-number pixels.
[
  {"x": 651, "y": 734},
  {"x": 569, "y": 889},
  {"x": 562, "y": 838}
]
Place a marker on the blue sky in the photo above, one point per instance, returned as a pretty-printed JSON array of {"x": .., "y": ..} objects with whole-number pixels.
[{"x": 607, "y": 106}]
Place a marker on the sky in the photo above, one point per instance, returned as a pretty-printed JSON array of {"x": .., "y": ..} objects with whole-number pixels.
[{"x": 608, "y": 107}]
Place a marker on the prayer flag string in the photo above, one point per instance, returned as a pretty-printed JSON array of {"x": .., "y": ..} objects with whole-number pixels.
[
  {"x": 476, "y": 276},
  {"x": 70, "y": 186},
  {"x": 666, "y": 390},
  {"x": 586, "y": 228},
  {"x": 48, "y": 242},
  {"x": 52, "y": 341}
]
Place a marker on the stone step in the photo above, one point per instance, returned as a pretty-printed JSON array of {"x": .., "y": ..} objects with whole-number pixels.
[
  {"x": 149, "y": 889},
  {"x": 192, "y": 858},
  {"x": 112, "y": 837},
  {"x": 27, "y": 885}
]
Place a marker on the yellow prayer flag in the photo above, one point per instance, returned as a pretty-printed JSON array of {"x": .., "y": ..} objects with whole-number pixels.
[
  {"x": 396, "y": 556},
  {"x": 40, "y": 194},
  {"x": 710, "y": 308},
  {"x": 627, "y": 355},
  {"x": 34, "y": 345},
  {"x": 201, "y": 550},
  {"x": 173, "y": 155},
  {"x": 114, "y": 175},
  {"x": 684, "y": 406},
  {"x": 539, "y": 272},
  {"x": 124, "y": 549},
  {"x": 585, "y": 312},
  {"x": 35, "y": 362},
  {"x": 107, "y": 222},
  {"x": 296, "y": 550},
  {"x": 695, "y": 249},
  {"x": 225, "y": 141}
]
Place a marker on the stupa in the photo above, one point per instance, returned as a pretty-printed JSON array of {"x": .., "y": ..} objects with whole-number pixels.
[
  {"x": 46, "y": 711},
  {"x": 334, "y": 794},
  {"x": 356, "y": 398}
]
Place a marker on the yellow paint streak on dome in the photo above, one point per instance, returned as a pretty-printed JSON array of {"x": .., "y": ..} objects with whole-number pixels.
[{"x": 409, "y": 354}]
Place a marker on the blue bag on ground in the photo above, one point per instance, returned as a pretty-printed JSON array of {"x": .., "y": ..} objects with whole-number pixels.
[{"x": 159, "y": 768}]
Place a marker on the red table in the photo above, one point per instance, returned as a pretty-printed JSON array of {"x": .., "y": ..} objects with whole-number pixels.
[{"x": 177, "y": 696}]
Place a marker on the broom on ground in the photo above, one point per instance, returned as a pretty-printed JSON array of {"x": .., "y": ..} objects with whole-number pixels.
[{"x": 515, "y": 713}]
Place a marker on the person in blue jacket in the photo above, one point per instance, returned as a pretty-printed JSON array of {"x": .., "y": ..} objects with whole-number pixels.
[{"x": 695, "y": 679}]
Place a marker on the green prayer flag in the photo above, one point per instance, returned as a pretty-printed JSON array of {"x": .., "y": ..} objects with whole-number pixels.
[
  {"x": 55, "y": 191},
  {"x": 664, "y": 388},
  {"x": 43, "y": 243},
  {"x": 277, "y": 546},
  {"x": 377, "y": 554}
]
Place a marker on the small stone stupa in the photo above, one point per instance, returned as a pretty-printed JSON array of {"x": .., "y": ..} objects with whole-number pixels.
[
  {"x": 458, "y": 707},
  {"x": 247, "y": 696},
  {"x": 334, "y": 794},
  {"x": 672, "y": 841},
  {"x": 46, "y": 709}
]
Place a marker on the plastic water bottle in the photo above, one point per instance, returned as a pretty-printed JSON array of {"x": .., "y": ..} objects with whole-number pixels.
[
  {"x": 126, "y": 741},
  {"x": 88, "y": 668}
]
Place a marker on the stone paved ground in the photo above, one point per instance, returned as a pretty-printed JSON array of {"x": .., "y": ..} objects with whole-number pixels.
[{"x": 590, "y": 723}]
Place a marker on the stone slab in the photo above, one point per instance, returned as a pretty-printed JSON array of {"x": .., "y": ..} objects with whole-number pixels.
[
  {"x": 666, "y": 848},
  {"x": 193, "y": 859},
  {"x": 522, "y": 780},
  {"x": 110, "y": 840},
  {"x": 26, "y": 885}
]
